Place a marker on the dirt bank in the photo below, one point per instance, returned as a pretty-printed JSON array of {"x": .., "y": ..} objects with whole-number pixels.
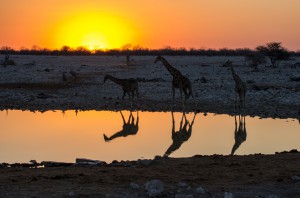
[{"x": 243, "y": 176}]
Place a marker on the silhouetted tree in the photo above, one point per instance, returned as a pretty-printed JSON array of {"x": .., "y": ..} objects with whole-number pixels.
[
  {"x": 7, "y": 60},
  {"x": 275, "y": 52},
  {"x": 65, "y": 48}
]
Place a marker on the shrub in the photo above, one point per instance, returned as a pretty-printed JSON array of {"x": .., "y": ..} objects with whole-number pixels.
[
  {"x": 254, "y": 59},
  {"x": 275, "y": 52}
]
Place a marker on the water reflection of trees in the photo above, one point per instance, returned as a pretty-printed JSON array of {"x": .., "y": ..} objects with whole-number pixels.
[
  {"x": 129, "y": 128},
  {"x": 240, "y": 133},
  {"x": 182, "y": 135}
]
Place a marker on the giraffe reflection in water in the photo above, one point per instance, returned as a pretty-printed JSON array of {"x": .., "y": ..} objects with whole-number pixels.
[
  {"x": 182, "y": 135},
  {"x": 240, "y": 133},
  {"x": 129, "y": 128}
]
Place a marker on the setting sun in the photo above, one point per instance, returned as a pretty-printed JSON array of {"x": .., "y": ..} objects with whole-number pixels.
[
  {"x": 94, "y": 41},
  {"x": 94, "y": 31}
]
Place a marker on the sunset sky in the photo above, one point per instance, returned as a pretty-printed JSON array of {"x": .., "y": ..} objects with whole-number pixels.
[{"x": 151, "y": 24}]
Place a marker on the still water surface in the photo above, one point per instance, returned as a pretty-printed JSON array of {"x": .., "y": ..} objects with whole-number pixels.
[{"x": 65, "y": 136}]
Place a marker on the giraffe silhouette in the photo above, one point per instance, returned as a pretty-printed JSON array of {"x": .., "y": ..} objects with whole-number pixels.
[
  {"x": 129, "y": 86},
  {"x": 182, "y": 135},
  {"x": 179, "y": 81},
  {"x": 240, "y": 86},
  {"x": 129, "y": 127},
  {"x": 240, "y": 133}
]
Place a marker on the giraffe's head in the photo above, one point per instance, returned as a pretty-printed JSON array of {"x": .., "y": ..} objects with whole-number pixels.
[
  {"x": 228, "y": 63},
  {"x": 158, "y": 58}
]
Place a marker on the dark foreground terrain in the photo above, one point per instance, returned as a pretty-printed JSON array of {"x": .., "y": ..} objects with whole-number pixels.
[{"x": 200, "y": 176}]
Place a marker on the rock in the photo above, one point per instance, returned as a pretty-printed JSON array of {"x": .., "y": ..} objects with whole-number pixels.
[
  {"x": 55, "y": 164},
  {"x": 121, "y": 195},
  {"x": 182, "y": 185},
  {"x": 33, "y": 161},
  {"x": 154, "y": 187},
  {"x": 83, "y": 161},
  {"x": 184, "y": 196},
  {"x": 200, "y": 190},
  {"x": 144, "y": 162},
  {"x": 228, "y": 195},
  {"x": 158, "y": 157},
  {"x": 272, "y": 196},
  {"x": 71, "y": 194},
  {"x": 134, "y": 185},
  {"x": 295, "y": 178}
]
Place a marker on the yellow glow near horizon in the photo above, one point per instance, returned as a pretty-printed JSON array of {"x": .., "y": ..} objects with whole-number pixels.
[
  {"x": 94, "y": 31},
  {"x": 94, "y": 40}
]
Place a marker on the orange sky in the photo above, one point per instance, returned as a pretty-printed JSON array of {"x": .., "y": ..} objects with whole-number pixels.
[{"x": 152, "y": 24}]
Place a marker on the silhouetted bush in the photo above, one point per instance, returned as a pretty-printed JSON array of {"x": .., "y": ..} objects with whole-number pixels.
[
  {"x": 254, "y": 59},
  {"x": 275, "y": 52}
]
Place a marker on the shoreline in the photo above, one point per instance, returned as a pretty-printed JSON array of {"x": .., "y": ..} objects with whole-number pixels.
[
  {"x": 199, "y": 176},
  {"x": 82, "y": 162},
  {"x": 271, "y": 92},
  {"x": 261, "y": 111}
]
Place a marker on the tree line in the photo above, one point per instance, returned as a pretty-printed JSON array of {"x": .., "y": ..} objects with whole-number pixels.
[
  {"x": 272, "y": 51},
  {"x": 137, "y": 50}
]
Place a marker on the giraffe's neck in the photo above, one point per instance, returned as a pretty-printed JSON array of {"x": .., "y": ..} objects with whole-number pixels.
[
  {"x": 235, "y": 76},
  {"x": 173, "y": 71},
  {"x": 232, "y": 71},
  {"x": 116, "y": 80}
]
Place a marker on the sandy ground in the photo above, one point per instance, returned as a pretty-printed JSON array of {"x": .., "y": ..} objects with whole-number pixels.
[{"x": 272, "y": 92}]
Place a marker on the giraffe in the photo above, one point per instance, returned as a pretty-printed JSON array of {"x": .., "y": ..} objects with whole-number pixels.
[
  {"x": 240, "y": 133},
  {"x": 6, "y": 61},
  {"x": 129, "y": 128},
  {"x": 182, "y": 135},
  {"x": 129, "y": 86},
  {"x": 179, "y": 81},
  {"x": 240, "y": 86}
]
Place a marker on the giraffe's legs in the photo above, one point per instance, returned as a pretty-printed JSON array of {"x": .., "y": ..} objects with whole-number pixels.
[
  {"x": 173, "y": 123},
  {"x": 132, "y": 119},
  {"x": 195, "y": 104},
  {"x": 182, "y": 99},
  {"x": 240, "y": 100},
  {"x": 124, "y": 92},
  {"x": 173, "y": 92},
  {"x": 137, "y": 119},
  {"x": 124, "y": 122},
  {"x": 137, "y": 97},
  {"x": 183, "y": 115},
  {"x": 235, "y": 102},
  {"x": 193, "y": 119},
  {"x": 130, "y": 98},
  {"x": 244, "y": 99}
]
